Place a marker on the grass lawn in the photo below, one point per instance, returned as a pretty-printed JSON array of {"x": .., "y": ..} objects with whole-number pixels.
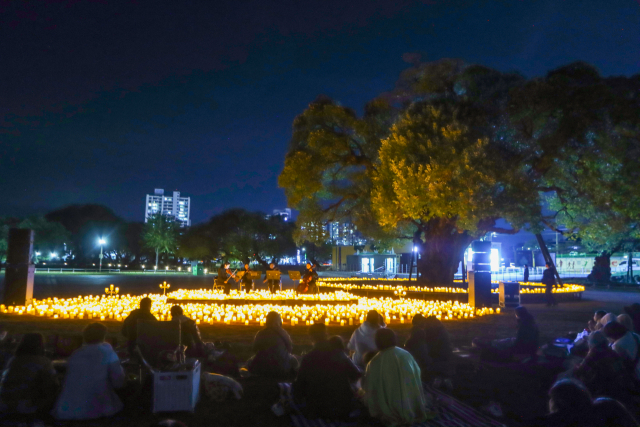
[{"x": 521, "y": 391}]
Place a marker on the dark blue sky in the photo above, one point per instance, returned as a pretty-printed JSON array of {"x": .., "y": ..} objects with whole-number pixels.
[{"x": 101, "y": 102}]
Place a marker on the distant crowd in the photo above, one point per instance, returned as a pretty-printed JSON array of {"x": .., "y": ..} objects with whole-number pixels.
[{"x": 372, "y": 375}]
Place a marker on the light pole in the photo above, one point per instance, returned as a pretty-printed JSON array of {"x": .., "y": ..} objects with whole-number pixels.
[
  {"x": 102, "y": 242},
  {"x": 164, "y": 286}
]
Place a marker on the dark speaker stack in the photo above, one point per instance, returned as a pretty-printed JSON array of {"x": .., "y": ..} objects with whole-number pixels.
[
  {"x": 18, "y": 279},
  {"x": 480, "y": 275}
]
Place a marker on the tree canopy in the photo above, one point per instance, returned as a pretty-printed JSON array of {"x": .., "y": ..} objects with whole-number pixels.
[
  {"x": 160, "y": 233},
  {"x": 240, "y": 235},
  {"x": 455, "y": 147}
]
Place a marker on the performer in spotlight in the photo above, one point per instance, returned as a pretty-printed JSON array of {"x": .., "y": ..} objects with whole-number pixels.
[
  {"x": 274, "y": 285},
  {"x": 226, "y": 277},
  {"x": 246, "y": 279},
  {"x": 308, "y": 283}
]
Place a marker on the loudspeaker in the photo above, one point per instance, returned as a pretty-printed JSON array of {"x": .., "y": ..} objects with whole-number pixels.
[
  {"x": 18, "y": 279},
  {"x": 509, "y": 294},
  {"x": 20, "y": 246},
  {"x": 481, "y": 257},
  {"x": 18, "y": 284},
  {"x": 479, "y": 289}
]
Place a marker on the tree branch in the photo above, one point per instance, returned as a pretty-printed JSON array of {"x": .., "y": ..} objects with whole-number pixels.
[{"x": 502, "y": 230}]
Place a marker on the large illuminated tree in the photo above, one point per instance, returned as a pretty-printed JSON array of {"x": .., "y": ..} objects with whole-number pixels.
[
  {"x": 454, "y": 148},
  {"x": 438, "y": 176}
]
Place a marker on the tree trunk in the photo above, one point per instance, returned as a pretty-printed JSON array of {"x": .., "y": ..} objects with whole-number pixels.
[
  {"x": 157, "y": 251},
  {"x": 441, "y": 253}
]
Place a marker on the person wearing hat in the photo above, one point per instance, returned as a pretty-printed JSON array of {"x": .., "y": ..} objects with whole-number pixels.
[{"x": 634, "y": 311}]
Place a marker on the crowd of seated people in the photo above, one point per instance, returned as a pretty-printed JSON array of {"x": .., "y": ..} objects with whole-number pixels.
[
  {"x": 370, "y": 376},
  {"x": 609, "y": 371}
]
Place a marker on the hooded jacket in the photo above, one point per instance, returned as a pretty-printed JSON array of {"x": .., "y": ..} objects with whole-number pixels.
[{"x": 363, "y": 340}]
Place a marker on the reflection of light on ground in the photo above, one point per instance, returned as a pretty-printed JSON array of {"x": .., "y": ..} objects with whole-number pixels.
[{"x": 119, "y": 306}]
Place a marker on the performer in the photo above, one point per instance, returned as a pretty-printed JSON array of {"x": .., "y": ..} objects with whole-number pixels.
[
  {"x": 246, "y": 279},
  {"x": 273, "y": 284},
  {"x": 226, "y": 277},
  {"x": 308, "y": 283}
]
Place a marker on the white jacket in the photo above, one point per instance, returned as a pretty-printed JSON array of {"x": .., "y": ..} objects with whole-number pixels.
[{"x": 363, "y": 341}]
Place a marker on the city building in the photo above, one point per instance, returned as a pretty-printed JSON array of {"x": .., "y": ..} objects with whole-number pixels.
[
  {"x": 169, "y": 205},
  {"x": 344, "y": 234},
  {"x": 285, "y": 214}
]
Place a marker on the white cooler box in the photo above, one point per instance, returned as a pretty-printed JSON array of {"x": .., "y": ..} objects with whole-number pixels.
[{"x": 176, "y": 391}]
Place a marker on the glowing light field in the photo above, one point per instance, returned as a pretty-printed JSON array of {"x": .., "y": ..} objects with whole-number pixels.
[{"x": 339, "y": 308}]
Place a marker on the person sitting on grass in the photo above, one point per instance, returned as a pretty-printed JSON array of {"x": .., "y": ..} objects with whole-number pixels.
[
  {"x": 626, "y": 344},
  {"x": 29, "y": 383},
  {"x": 337, "y": 343},
  {"x": 569, "y": 406},
  {"x": 634, "y": 312},
  {"x": 438, "y": 341},
  {"x": 363, "y": 339},
  {"x": 595, "y": 325},
  {"x": 416, "y": 344},
  {"x": 626, "y": 321},
  {"x": 603, "y": 371},
  {"x": 272, "y": 347},
  {"x": 324, "y": 383},
  {"x": 189, "y": 332},
  {"x": 392, "y": 384},
  {"x": 610, "y": 412},
  {"x": 93, "y": 374},
  {"x": 130, "y": 326},
  {"x": 528, "y": 335}
]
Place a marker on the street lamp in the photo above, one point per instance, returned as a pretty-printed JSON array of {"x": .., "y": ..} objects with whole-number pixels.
[
  {"x": 164, "y": 286},
  {"x": 102, "y": 242}
]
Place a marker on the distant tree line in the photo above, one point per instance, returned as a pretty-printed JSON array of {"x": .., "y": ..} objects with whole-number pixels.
[{"x": 73, "y": 233}]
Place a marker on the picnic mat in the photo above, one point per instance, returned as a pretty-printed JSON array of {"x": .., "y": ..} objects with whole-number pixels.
[{"x": 450, "y": 412}]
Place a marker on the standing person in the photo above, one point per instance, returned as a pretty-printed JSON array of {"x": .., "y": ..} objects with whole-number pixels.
[
  {"x": 526, "y": 273},
  {"x": 246, "y": 279},
  {"x": 226, "y": 278},
  {"x": 272, "y": 284},
  {"x": 363, "y": 339},
  {"x": 325, "y": 378},
  {"x": 392, "y": 384},
  {"x": 29, "y": 384},
  {"x": 549, "y": 280},
  {"x": 130, "y": 326},
  {"x": 93, "y": 374}
]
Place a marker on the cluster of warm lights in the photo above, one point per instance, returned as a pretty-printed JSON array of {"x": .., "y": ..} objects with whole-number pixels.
[
  {"x": 535, "y": 288},
  {"x": 384, "y": 287},
  {"x": 259, "y": 295},
  {"x": 117, "y": 307},
  {"x": 381, "y": 285}
]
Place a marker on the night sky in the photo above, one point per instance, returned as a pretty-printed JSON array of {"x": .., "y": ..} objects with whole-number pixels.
[{"x": 103, "y": 101}]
